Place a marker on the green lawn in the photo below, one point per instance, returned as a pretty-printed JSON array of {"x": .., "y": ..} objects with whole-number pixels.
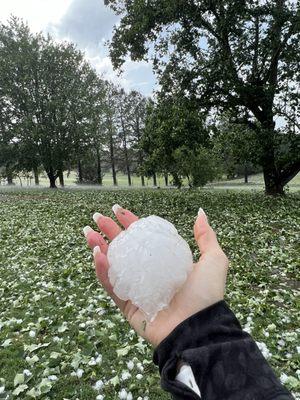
[
  {"x": 256, "y": 182},
  {"x": 70, "y": 180},
  {"x": 57, "y": 325}
]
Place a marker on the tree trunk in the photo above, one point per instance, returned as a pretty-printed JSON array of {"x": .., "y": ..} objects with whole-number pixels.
[
  {"x": 99, "y": 171},
  {"x": 112, "y": 160},
  {"x": 177, "y": 181},
  {"x": 79, "y": 171},
  {"x": 61, "y": 178},
  {"x": 9, "y": 175},
  {"x": 154, "y": 179},
  {"x": 9, "y": 179},
  {"x": 128, "y": 175},
  {"x": 52, "y": 178},
  {"x": 140, "y": 153},
  {"x": 125, "y": 149},
  {"x": 245, "y": 172},
  {"x": 36, "y": 176},
  {"x": 273, "y": 185},
  {"x": 273, "y": 181},
  {"x": 166, "y": 179}
]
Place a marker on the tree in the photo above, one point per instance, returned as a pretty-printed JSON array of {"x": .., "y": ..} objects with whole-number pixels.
[
  {"x": 46, "y": 88},
  {"x": 8, "y": 159},
  {"x": 65, "y": 81},
  {"x": 174, "y": 127},
  {"x": 123, "y": 115},
  {"x": 197, "y": 165},
  {"x": 228, "y": 55},
  {"x": 130, "y": 123},
  {"x": 88, "y": 128},
  {"x": 111, "y": 126},
  {"x": 137, "y": 119},
  {"x": 237, "y": 146},
  {"x": 99, "y": 139},
  {"x": 8, "y": 147}
]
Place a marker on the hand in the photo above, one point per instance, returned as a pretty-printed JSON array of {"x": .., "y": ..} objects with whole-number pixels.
[{"x": 205, "y": 284}]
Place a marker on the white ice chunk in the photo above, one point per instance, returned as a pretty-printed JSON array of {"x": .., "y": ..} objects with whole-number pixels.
[{"x": 149, "y": 263}]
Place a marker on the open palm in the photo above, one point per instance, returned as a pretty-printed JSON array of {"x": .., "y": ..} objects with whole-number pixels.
[{"x": 205, "y": 284}]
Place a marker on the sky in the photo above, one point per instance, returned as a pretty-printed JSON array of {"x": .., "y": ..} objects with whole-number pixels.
[{"x": 88, "y": 23}]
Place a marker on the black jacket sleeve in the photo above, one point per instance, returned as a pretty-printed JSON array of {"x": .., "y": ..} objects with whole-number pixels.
[{"x": 225, "y": 360}]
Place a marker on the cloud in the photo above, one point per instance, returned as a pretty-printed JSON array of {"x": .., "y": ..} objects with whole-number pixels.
[
  {"x": 38, "y": 13},
  {"x": 136, "y": 75},
  {"x": 86, "y": 22},
  {"x": 89, "y": 23}
]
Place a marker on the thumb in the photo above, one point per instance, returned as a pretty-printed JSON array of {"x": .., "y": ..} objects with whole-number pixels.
[{"x": 204, "y": 234}]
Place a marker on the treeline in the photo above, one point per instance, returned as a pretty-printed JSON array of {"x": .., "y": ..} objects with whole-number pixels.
[
  {"x": 58, "y": 115},
  {"x": 236, "y": 61}
]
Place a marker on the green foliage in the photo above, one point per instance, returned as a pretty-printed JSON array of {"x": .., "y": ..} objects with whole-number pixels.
[
  {"x": 199, "y": 166},
  {"x": 174, "y": 132},
  {"x": 234, "y": 56},
  {"x": 55, "y": 319},
  {"x": 52, "y": 99},
  {"x": 237, "y": 146}
]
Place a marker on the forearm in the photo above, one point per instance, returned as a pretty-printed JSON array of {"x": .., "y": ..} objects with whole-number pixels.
[{"x": 225, "y": 360}]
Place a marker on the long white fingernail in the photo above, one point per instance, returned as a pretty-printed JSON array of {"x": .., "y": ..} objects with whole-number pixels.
[
  {"x": 201, "y": 212},
  {"x": 96, "y": 216},
  {"x": 86, "y": 230},
  {"x": 116, "y": 208},
  {"x": 96, "y": 250}
]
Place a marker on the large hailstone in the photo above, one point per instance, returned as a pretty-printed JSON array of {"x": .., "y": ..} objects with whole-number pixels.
[{"x": 149, "y": 262}]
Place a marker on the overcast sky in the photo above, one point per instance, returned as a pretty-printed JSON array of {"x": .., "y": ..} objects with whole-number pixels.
[{"x": 86, "y": 22}]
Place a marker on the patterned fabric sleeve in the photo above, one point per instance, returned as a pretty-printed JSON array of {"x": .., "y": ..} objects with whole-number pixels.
[{"x": 225, "y": 360}]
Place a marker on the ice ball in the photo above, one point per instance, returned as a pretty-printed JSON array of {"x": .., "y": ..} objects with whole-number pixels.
[{"x": 149, "y": 262}]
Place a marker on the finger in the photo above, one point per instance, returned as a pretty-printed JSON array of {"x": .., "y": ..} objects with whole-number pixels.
[
  {"x": 108, "y": 226},
  {"x": 94, "y": 239},
  {"x": 125, "y": 217},
  {"x": 204, "y": 234},
  {"x": 101, "y": 268}
]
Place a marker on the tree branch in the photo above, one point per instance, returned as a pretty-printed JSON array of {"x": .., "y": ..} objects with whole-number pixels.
[
  {"x": 287, "y": 116},
  {"x": 256, "y": 44},
  {"x": 271, "y": 74}
]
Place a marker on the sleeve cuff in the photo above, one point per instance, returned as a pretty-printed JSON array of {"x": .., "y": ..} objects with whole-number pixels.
[
  {"x": 207, "y": 326},
  {"x": 224, "y": 360}
]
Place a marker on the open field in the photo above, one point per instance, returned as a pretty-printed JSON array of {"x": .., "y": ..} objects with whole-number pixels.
[
  {"x": 256, "y": 182},
  {"x": 70, "y": 180},
  {"x": 60, "y": 334}
]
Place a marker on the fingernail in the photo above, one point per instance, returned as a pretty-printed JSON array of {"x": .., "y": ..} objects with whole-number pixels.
[
  {"x": 96, "y": 250},
  {"x": 201, "y": 212},
  {"x": 86, "y": 230},
  {"x": 96, "y": 216},
  {"x": 116, "y": 208}
]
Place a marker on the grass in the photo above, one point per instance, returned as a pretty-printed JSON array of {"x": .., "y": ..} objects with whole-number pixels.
[
  {"x": 256, "y": 182},
  {"x": 60, "y": 334},
  {"x": 107, "y": 180}
]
